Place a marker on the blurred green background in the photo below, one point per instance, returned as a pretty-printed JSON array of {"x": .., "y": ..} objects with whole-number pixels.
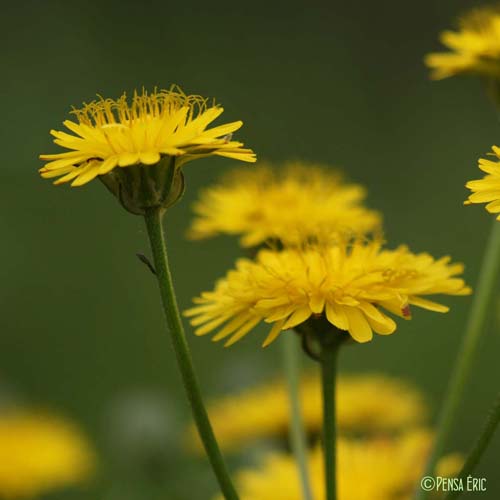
[{"x": 82, "y": 331}]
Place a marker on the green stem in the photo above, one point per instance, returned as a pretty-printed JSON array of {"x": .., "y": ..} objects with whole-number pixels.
[
  {"x": 155, "y": 231},
  {"x": 291, "y": 358},
  {"x": 328, "y": 378},
  {"x": 470, "y": 342},
  {"x": 480, "y": 446}
]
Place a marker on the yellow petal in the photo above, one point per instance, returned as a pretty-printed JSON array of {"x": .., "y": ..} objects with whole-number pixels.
[
  {"x": 242, "y": 331},
  {"x": 336, "y": 316},
  {"x": 317, "y": 303},
  {"x": 273, "y": 334},
  {"x": 493, "y": 207},
  {"x": 233, "y": 325},
  {"x": 108, "y": 165},
  {"x": 47, "y": 174},
  {"x": 238, "y": 155},
  {"x": 68, "y": 177},
  {"x": 428, "y": 304},
  {"x": 149, "y": 158},
  {"x": 359, "y": 327},
  {"x": 87, "y": 174},
  {"x": 484, "y": 196},
  {"x": 298, "y": 316},
  {"x": 127, "y": 159}
]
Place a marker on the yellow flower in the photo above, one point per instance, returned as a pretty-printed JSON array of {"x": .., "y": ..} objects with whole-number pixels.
[
  {"x": 379, "y": 469},
  {"x": 137, "y": 148},
  {"x": 292, "y": 204},
  {"x": 362, "y": 409},
  {"x": 348, "y": 284},
  {"x": 115, "y": 133},
  {"x": 475, "y": 48},
  {"x": 39, "y": 453},
  {"x": 487, "y": 189}
]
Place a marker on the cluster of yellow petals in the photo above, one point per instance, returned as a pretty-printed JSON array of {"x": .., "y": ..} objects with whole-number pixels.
[
  {"x": 361, "y": 404},
  {"x": 475, "y": 48},
  {"x": 292, "y": 204},
  {"x": 378, "y": 469},
  {"x": 112, "y": 133},
  {"x": 487, "y": 189},
  {"x": 39, "y": 453},
  {"x": 351, "y": 284}
]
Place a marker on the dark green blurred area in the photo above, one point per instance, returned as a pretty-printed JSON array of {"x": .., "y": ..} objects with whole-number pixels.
[{"x": 82, "y": 331}]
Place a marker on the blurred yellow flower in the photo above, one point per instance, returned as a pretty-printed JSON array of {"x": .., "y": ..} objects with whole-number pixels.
[
  {"x": 39, "y": 453},
  {"x": 348, "y": 284},
  {"x": 450, "y": 465},
  {"x": 368, "y": 404},
  {"x": 475, "y": 48},
  {"x": 110, "y": 134},
  {"x": 487, "y": 189},
  {"x": 379, "y": 469},
  {"x": 295, "y": 203}
]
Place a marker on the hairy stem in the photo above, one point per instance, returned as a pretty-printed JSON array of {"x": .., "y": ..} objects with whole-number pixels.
[{"x": 156, "y": 237}]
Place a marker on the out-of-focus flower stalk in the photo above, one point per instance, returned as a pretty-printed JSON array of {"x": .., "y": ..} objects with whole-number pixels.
[
  {"x": 291, "y": 361},
  {"x": 470, "y": 343},
  {"x": 480, "y": 446}
]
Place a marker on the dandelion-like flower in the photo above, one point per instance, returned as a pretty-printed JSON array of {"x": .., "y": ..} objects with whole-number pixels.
[
  {"x": 40, "y": 453},
  {"x": 474, "y": 48},
  {"x": 141, "y": 144},
  {"x": 362, "y": 409},
  {"x": 379, "y": 469},
  {"x": 349, "y": 285},
  {"x": 487, "y": 189},
  {"x": 295, "y": 203}
]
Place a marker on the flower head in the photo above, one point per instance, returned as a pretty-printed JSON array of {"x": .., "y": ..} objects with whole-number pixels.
[
  {"x": 379, "y": 469},
  {"x": 121, "y": 141},
  {"x": 39, "y": 453},
  {"x": 349, "y": 285},
  {"x": 475, "y": 47},
  {"x": 362, "y": 403},
  {"x": 295, "y": 203},
  {"x": 487, "y": 189}
]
